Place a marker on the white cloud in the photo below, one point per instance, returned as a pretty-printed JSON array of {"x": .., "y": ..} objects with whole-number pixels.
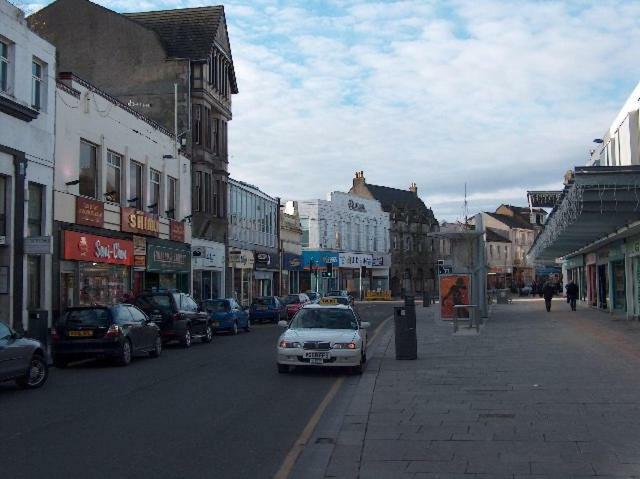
[{"x": 502, "y": 95}]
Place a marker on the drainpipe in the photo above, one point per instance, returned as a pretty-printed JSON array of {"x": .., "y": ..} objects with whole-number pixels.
[{"x": 20, "y": 175}]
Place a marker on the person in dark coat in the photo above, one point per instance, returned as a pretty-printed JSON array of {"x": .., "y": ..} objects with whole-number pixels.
[
  {"x": 572, "y": 294},
  {"x": 547, "y": 292}
]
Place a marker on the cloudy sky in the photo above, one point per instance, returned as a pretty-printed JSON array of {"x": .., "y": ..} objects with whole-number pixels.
[{"x": 503, "y": 95}]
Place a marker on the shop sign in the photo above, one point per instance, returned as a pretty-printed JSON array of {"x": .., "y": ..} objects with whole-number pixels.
[
  {"x": 38, "y": 245},
  {"x": 591, "y": 258},
  {"x": 139, "y": 245},
  {"x": 176, "y": 231},
  {"x": 263, "y": 259},
  {"x": 616, "y": 251},
  {"x": 167, "y": 259},
  {"x": 320, "y": 257},
  {"x": 355, "y": 206},
  {"x": 381, "y": 261},
  {"x": 242, "y": 259},
  {"x": 633, "y": 247},
  {"x": 354, "y": 260},
  {"x": 3, "y": 240},
  {"x": 575, "y": 262},
  {"x": 97, "y": 249},
  {"x": 139, "y": 261},
  {"x": 208, "y": 256},
  {"x": 291, "y": 262},
  {"x": 135, "y": 221},
  {"x": 89, "y": 212}
]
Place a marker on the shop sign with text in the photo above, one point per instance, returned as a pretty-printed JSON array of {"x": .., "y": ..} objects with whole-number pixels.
[
  {"x": 292, "y": 262},
  {"x": 354, "y": 260},
  {"x": 242, "y": 259},
  {"x": 89, "y": 212},
  {"x": 176, "y": 231},
  {"x": 263, "y": 259},
  {"x": 166, "y": 259},
  {"x": 97, "y": 249},
  {"x": 135, "y": 221}
]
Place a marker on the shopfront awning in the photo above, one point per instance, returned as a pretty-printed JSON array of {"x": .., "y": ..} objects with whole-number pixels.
[{"x": 595, "y": 204}]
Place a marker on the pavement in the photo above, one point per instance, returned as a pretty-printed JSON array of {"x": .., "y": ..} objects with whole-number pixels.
[{"x": 532, "y": 395}]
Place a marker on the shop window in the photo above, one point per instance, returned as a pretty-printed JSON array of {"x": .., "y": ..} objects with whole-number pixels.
[
  {"x": 135, "y": 185},
  {"x": 36, "y": 205},
  {"x": 171, "y": 197},
  {"x": 4, "y": 183},
  {"x": 4, "y": 65},
  {"x": 33, "y": 282},
  {"x": 88, "y": 169},
  {"x": 154, "y": 197},
  {"x": 114, "y": 166},
  {"x": 37, "y": 80}
]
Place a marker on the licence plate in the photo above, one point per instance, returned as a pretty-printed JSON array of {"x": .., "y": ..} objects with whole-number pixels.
[
  {"x": 215, "y": 324},
  {"x": 316, "y": 355},
  {"x": 316, "y": 361},
  {"x": 80, "y": 333}
]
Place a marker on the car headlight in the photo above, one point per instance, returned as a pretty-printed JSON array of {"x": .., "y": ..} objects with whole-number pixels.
[
  {"x": 290, "y": 344},
  {"x": 350, "y": 345}
]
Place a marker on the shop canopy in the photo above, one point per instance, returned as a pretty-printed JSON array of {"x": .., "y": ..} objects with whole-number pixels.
[{"x": 596, "y": 202}]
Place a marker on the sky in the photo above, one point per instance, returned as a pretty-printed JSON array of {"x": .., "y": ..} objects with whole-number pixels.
[{"x": 502, "y": 95}]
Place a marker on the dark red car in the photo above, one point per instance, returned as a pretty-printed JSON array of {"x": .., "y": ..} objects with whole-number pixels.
[{"x": 294, "y": 302}]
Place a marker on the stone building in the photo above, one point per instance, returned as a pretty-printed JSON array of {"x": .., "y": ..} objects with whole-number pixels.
[
  {"x": 174, "y": 67},
  {"x": 413, "y": 254},
  {"x": 290, "y": 248}
]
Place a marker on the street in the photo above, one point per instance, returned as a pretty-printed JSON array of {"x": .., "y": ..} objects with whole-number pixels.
[{"x": 219, "y": 410}]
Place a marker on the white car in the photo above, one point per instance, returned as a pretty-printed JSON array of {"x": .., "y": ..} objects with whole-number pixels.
[{"x": 323, "y": 335}]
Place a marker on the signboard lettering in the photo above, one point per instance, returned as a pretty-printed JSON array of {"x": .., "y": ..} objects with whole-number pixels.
[
  {"x": 355, "y": 206},
  {"x": 176, "y": 231},
  {"x": 135, "y": 221},
  {"x": 89, "y": 212},
  {"x": 97, "y": 249},
  {"x": 163, "y": 258}
]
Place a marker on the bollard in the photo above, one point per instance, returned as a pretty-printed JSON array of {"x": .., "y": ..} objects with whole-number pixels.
[
  {"x": 426, "y": 299},
  {"x": 405, "y": 330}
]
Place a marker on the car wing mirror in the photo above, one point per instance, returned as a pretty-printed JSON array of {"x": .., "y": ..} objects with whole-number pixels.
[
  {"x": 283, "y": 324},
  {"x": 365, "y": 325}
]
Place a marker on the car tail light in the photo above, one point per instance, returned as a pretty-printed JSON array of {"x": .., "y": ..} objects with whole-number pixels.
[
  {"x": 54, "y": 335},
  {"x": 113, "y": 331}
]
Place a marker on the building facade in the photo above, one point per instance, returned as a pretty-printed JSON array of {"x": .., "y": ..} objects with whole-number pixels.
[
  {"x": 413, "y": 252},
  {"x": 176, "y": 68},
  {"x": 121, "y": 212},
  {"x": 253, "y": 258},
  {"x": 347, "y": 237},
  {"x": 290, "y": 248},
  {"x": 27, "y": 119}
]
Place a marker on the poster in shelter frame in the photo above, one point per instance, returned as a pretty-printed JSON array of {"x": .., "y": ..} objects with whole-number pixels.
[{"x": 454, "y": 289}]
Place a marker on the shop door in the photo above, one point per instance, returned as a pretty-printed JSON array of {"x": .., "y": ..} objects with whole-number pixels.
[
  {"x": 591, "y": 290},
  {"x": 618, "y": 286},
  {"x": 603, "y": 286}
]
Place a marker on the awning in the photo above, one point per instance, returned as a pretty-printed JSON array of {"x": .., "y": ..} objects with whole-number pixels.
[{"x": 596, "y": 203}]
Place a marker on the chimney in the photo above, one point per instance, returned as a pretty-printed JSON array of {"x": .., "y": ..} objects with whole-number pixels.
[
  {"x": 413, "y": 189},
  {"x": 358, "y": 179}
]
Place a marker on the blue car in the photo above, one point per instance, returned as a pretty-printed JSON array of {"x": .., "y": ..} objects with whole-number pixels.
[
  {"x": 267, "y": 308},
  {"x": 228, "y": 313}
]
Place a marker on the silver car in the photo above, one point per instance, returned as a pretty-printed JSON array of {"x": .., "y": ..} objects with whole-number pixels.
[{"x": 21, "y": 359}]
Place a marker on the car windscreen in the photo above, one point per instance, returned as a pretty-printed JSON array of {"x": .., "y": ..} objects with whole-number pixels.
[
  {"x": 313, "y": 296},
  {"x": 324, "y": 318},
  {"x": 264, "y": 301},
  {"x": 292, "y": 299},
  {"x": 335, "y": 293},
  {"x": 90, "y": 317},
  {"x": 215, "y": 306},
  {"x": 339, "y": 299},
  {"x": 151, "y": 302}
]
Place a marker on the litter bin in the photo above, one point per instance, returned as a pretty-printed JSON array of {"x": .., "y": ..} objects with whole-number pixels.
[
  {"x": 426, "y": 299},
  {"x": 38, "y": 327},
  {"x": 404, "y": 319}
]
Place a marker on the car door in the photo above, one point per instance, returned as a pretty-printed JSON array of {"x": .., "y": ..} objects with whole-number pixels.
[
  {"x": 362, "y": 332},
  {"x": 190, "y": 309},
  {"x": 10, "y": 357},
  {"x": 122, "y": 317},
  {"x": 147, "y": 331}
]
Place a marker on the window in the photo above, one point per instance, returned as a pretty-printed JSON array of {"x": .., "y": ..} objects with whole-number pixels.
[
  {"x": 3, "y": 205},
  {"x": 36, "y": 84},
  {"x": 88, "y": 169},
  {"x": 304, "y": 224},
  {"x": 207, "y": 193},
  {"x": 154, "y": 196},
  {"x": 197, "y": 191},
  {"x": 33, "y": 282},
  {"x": 216, "y": 135},
  {"x": 171, "y": 197},
  {"x": 114, "y": 163},
  {"x": 121, "y": 315},
  {"x": 4, "y": 66},
  {"x": 136, "y": 314},
  {"x": 135, "y": 185},
  {"x": 197, "y": 117},
  {"x": 207, "y": 127},
  {"x": 36, "y": 205},
  {"x": 216, "y": 190}
]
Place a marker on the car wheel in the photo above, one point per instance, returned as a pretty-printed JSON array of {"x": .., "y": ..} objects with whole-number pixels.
[
  {"x": 283, "y": 368},
  {"x": 125, "y": 354},
  {"x": 186, "y": 339},
  {"x": 247, "y": 328},
  {"x": 234, "y": 330},
  {"x": 36, "y": 375},
  {"x": 208, "y": 334},
  {"x": 157, "y": 349},
  {"x": 60, "y": 363}
]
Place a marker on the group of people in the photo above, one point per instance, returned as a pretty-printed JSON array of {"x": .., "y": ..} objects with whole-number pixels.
[{"x": 549, "y": 290}]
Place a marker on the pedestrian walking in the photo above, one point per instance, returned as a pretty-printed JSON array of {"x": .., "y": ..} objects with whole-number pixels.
[
  {"x": 547, "y": 292},
  {"x": 572, "y": 295}
]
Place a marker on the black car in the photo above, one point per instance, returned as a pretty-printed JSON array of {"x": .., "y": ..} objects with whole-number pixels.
[
  {"x": 177, "y": 315},
  {"x": 21, "y": 359},
  {"x": 116, "y": 332}
]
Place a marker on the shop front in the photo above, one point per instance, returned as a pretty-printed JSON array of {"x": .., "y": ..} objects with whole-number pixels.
[
  {"x": 94, "y": 269},
  {"x": 633, "y": 261},
  {"x": 353, "y": 275},
  {"x": 168, "y": 265},
  {"x": 266, "y": 274},
  {"x": 208, "y": 266},
  {"x": 291, "y": 268},
  {"x": 592, "y": 291},
  {"x": 499, "y": 277},
  {"x": 379, "y": 274},
  {"x": 241, "y": 263},
  {"x": 602, "y": 279},
  {"x": 576, "y": 273},
  {"x": 617, "y": 274},
  {"x": 314, "y": 276}
]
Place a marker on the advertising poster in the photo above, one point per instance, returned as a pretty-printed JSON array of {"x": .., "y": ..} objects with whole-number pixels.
[{"x": 454, "y": 289}]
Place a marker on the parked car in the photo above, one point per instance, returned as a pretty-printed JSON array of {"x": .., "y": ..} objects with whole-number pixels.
[
  {"x": 314, "y": 296},
  {"x": 294, "y": 302},
  {"x": 177, "y": 315},
  {"x": 117, "y": 332},
  {"x": 22, "y": 359},
  {"x": 340, "y": 293},
  {"x": 267, "y": 308},
  {"x": 228, "y": 315}
]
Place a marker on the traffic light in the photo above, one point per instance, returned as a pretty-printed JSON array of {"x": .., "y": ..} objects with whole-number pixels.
[
  {"x": 329, "y": 270},
  {"x": 364, "y": 270}
]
